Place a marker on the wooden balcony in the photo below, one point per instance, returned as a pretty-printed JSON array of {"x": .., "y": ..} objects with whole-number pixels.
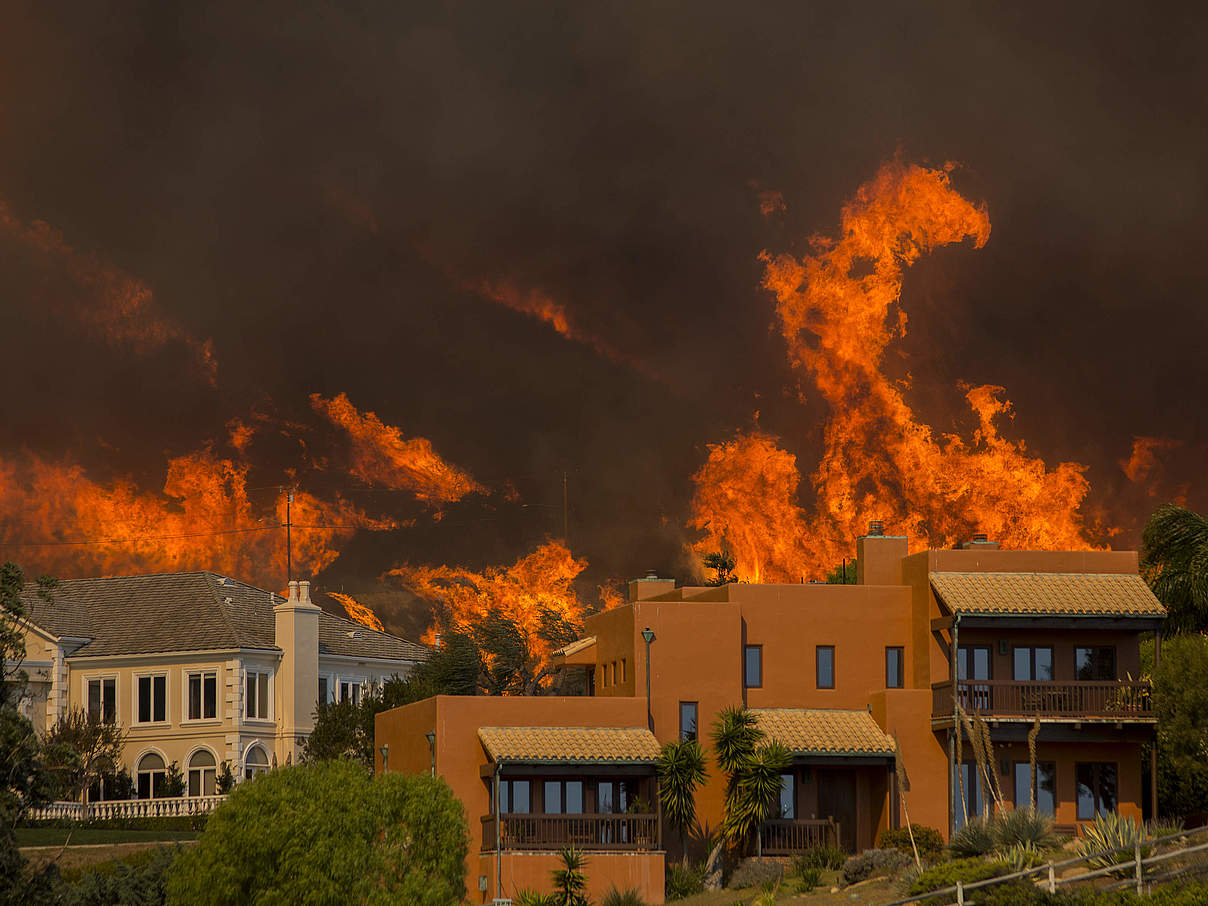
[
  {"x": 634, "y": 832},
  {"x": 1121, "y": 701},
  {"x": 788, "y": 836}
]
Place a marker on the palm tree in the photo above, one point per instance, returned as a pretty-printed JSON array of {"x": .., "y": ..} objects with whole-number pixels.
[
  {"x": 753, "y": 770},
  {"x": 1174, "y": 560},
  {"x": 681, "y": 771},
  {"x": 570, "y": 884}
]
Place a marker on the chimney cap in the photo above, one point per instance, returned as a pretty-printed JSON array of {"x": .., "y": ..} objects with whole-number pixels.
[
  {"x": 980, "y": 537},
  {"x": 876, "y": 528}
]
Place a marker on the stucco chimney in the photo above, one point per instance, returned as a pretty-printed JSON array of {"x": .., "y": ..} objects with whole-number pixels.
[
  {"x": 297, "y": 682},
  {"x": 649, "y": 587},
  {"x": 879, "y": 556},
  {"x": 979, "y": 542}
]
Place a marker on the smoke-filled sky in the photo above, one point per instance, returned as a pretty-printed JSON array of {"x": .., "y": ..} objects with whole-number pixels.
[{"x": 214, "y": 211}]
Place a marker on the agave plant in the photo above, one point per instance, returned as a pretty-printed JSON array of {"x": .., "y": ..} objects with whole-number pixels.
[
  {"x": 1111, "y": 839},
  {"x": 975, "y": 838},
  {"x": 1023, "y": 827},
  {"x": 532, "y": 898}
]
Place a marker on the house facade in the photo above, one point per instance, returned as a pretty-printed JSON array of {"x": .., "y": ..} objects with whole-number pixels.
[
  {"x": 198, "y": 669},
  {"x": 874, "y": 688}
]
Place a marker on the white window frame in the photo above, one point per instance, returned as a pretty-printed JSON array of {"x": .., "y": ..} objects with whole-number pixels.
[
  {"x": 360, "y": 682},
  {"x": 117, "y": 692},
  {"x": 188, "y": 675},
  {"x": 201, "y": 779},
  {"x": 331, "y": 689},
  {"x": 260, "y": 769},
  {"x": 268, "y": 694},
  {"x": 136, "y": 699},
  {"x": 137, "y": 772}
]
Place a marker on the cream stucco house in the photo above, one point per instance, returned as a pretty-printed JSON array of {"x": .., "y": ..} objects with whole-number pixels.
[{"x": 199, "y": 668}]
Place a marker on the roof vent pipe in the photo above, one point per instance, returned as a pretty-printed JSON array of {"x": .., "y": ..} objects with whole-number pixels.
[
  {"x": 980, "y": 537},
  {"x": 876, "y": 527}
]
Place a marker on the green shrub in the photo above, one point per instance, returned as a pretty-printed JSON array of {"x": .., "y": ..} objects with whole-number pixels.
[
  {"x": 1020, "y": 856},
  {"x": 1163, "y": 827},
  {"x": 684, "y": 881},
  {"x": 825, "y": 857},
  {"x": 756, "y": 873},
  {"x": 1022, "y": 827},
  {"x": 532, "y": 898},
  {"x": 976, "y": 838},
  {"x": 874, "y": 863},
  {"x": 810, "y": 878},
  {"x": 1110, "y": 839},
  {"x": 138, "y": 879},
  {"x": 927, "y": 839},
  {"x": 629, "y": 897},
  {"x": 946, "y": 874}
]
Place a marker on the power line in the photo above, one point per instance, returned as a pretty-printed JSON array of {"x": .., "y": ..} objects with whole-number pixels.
[{"x": 140, "y": 538}]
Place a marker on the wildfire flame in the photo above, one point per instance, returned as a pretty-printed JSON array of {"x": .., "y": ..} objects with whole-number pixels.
[
  {"x": 358, "y": 611},
  {"x": 111, "y": 303},
  {"x": 69, "y": 525},
  {"x": 382, "y": 456},
  {"x": 836, "y": 312},
  {"x": 540, "y": 581}
]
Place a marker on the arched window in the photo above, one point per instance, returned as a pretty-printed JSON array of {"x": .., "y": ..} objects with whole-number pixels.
[
  {"x": 255, "y": 763},
  {"x": 151, "y": 772},
  {"x": 202, "y": 774}
]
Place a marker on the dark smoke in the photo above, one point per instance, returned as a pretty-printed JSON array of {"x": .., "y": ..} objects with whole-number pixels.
[{"x": 317, "y": 187}]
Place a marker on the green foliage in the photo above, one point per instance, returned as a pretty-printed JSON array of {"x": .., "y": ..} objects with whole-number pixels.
[
  {"x": 174, "y": 781},
  {"x": 722, "y": 563},
  {"x": 1110, "y": 839},
  {"x": 570, "y": 883},
  {"x": 756, "y": 873},
  {"x": 226, "y": 779},
  {"x": 631, "y": 897},
  {"x": 873, "y": 863},
  {"x": 1021, "y": 893},
  {"x": 1020, "y": 856},
  {"x": 139, "y": 880},
  {"x": 1180, "y": 702},
  {"x": 13, "y": 611},
  {"x": 328, "y": 833},
  {"x": 80, "y": 749},
  {"x": 681, "y": 771},
  {"x": 823, "y": 857},
  {"x": 533, "y": 898},
  {"x": 927, "y": 839},
  {"x": 976, "y": 838},
  {"x": 810, "y": 878},
  {"x": 843, "y": 573},
  {"x": 946, "y": 874},
  {"x": 1023, "y": 827},
  {"x": 753, "y": 771},
  {"x": 684, "y": 880},
  {"x": 1163, "y": 827},
  {"x": 1174, "y": 559}
]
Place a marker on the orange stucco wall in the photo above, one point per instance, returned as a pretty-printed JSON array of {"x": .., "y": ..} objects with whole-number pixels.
[{"x": 531, "y": 871}]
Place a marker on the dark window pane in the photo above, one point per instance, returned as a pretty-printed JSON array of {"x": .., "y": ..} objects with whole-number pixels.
[
  {"x": 605, "y": 801},
  {"x": 553, "y": 797},
  {"x": 1044, "y": 664},
  {"x": 262, "y": 695},
  {"x": 109, "y": 700},
  {"x": 894, "y": 668},
  {"x": 210, "y": 694},
  {"x": 94, "y": 698},
  {"x": 144, "y": 699},
  {"x": 687, "y": 720},
  {"x": 160, "y": 696},
  {"x": 144, "y": 786},
  {"x": 1046, "y": 787},
  {"x": 1107, "y": 787},
  {"x": 1085, "y": 774},
  {"x": 1023, "y": 784},
  {"x": 1023, "y": 664},
  {"x": 194, "y": 696},
  {"x": 981, "y": 663},
  {"x": 753, "y": 667},
  {"x": 520, "y": 797},
  {"x": 972, "y": 790},
  {"x": 826, "y": 666},
  {"x": 194, "y": 783},
  {"x": 574, "y": 797},
  {"x": 322, "y": 689}
]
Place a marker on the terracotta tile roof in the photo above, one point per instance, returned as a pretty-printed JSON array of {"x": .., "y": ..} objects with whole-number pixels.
[
  {"x": 819, "y": 731},
  {"x": 589, "y": 745},
  {"x": 1055, "y": 594}
]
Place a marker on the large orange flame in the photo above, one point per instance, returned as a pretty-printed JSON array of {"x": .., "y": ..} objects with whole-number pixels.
[
  {"x": 106, "y": 300},
  {"x": 56, "y": 519},
  {"x": 382, "y": 456},
  {"x": 540, "y": 581},
  {"x": 358, "y": 611},
  {"x": 837, "y": 313}
]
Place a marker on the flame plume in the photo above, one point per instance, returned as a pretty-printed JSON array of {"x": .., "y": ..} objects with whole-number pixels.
[
  {"x": 540, "y": 581},
  {"x": 357, "y": 611},
  {"x": 382, "y": 456},
  {"x": 836, "y": 309},
  {"x": 203, "y": 520}
]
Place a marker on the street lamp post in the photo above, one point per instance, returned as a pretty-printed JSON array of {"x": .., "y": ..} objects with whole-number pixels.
[
  {"x": 385, "y": 750},
  {"x": 648, "y": 635},
  {"x": 431, "y": 737}
]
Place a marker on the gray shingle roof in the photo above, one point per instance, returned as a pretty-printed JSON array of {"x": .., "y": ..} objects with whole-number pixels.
[{"x": 189, "y": 612}]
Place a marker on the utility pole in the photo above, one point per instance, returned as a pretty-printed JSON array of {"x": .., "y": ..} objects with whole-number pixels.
[{"x": 289, "y": 549}]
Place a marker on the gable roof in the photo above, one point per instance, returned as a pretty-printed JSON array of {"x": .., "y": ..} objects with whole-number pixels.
[
  {"x": 1047, "y": 594},
  {"x": 824, "y": 731},
  {"x": 588, "y": 745},
  {"x": 193, "y": 611}
]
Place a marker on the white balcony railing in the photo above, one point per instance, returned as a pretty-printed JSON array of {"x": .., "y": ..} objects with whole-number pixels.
[{"x": 174, "y": 807}]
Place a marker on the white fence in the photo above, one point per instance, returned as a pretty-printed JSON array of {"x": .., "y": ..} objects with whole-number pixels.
[{"x": 128, "y": 808}]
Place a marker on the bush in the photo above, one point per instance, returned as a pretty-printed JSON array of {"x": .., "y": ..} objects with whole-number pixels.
[
  {"x": 756, "y": 873},
  {"x": 825, "y": 857},
  {"x": 1111, "y": 839},
  {"x": 810, "y": 879},
  {"x": 946, "y": 874},
  {"x": 976, "y": 838},
  {"x": 873, "y": 863},
  {"x": 1020, "y": 856},
  {"x": 616, "y": 897},
  {"x": 684, "y": 881},
  {"x": 139, "y": 879},
  {"x": 927, "y": 839},
  {"x": 532, "y": 898},
  {"x": 1023, "y": 827}
]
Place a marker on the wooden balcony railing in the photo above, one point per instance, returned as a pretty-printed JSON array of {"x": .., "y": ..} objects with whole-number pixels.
[
  {"x": 787, "y": 836},
  {"x": 611, "y": 832},
  {"x": 1075, "y": 700}
]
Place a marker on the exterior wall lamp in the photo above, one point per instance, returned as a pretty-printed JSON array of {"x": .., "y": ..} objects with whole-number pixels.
[
  {"x": 385, "y": 750},
  {"x": 431, "y": 737}
]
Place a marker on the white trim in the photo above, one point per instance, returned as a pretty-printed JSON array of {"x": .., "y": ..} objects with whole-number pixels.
[
  {"x": 188, "y": 769},
  {"x": 135, "y": 723},
  {"x": 269, "y": 695},
  {"x": 185, "y": 674},
  {"x": 199, "y": 654},
  {"x": 143, "y": 754},
  {"x": 358, "y": 658},
  {"x": 86, "y": 678}
]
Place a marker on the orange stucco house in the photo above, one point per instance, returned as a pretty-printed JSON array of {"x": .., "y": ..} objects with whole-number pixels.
[{"x": 852, "y": 679}]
